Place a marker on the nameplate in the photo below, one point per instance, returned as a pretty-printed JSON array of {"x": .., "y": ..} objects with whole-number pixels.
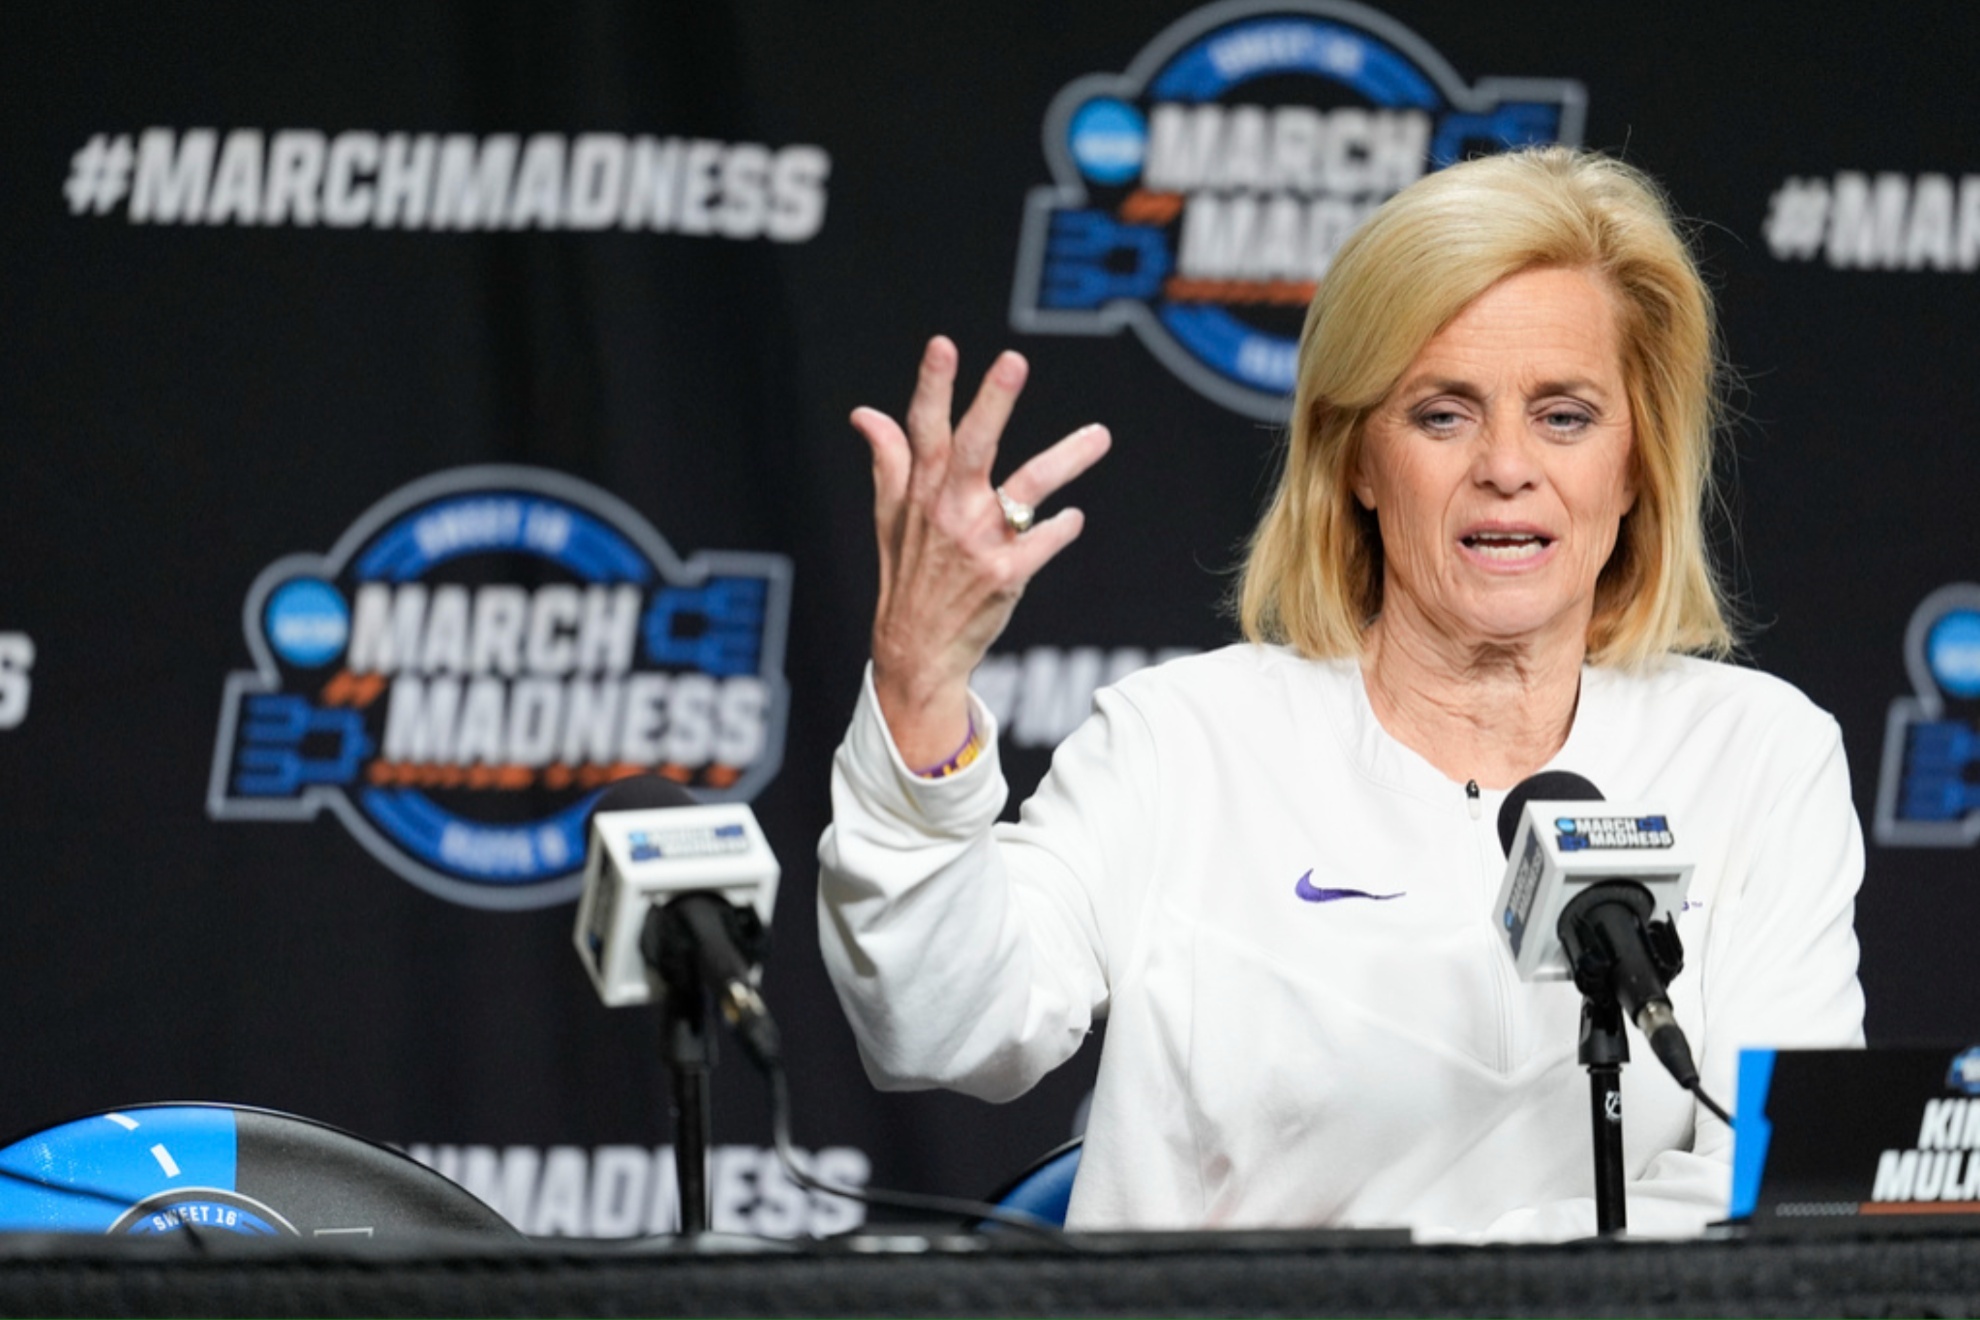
[{"x": 1866, "y": 1135}]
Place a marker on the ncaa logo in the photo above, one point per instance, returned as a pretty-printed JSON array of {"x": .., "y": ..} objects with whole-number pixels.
[
  {"x": 484, "y": 650},
  {"x": 1925, "y": 794},
  {"x": 1199, "y": 196},
  {"x": 1964, "y": 1074},
  {"x": 1568, "y": 835}
]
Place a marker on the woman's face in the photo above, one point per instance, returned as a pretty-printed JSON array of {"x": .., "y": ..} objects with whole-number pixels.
[{"x": 1499, "y": 467}]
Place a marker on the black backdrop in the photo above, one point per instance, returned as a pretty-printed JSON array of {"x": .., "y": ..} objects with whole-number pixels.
[{"x": 185, "y": 402}]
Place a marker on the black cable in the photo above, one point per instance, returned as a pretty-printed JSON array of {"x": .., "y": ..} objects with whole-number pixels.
[
  {"x": 87, "y": 1193},
  {"x": 780, "y": 1123},
  {"x": 1710, "y": 1104},
  {"x": 703, "y": 938},
  {"x": 1668, "y": 1043},
  {"x": 123, "y": 1203}
]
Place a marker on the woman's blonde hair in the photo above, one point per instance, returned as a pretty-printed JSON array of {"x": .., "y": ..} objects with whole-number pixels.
[{"x": 1313, "y": 577}]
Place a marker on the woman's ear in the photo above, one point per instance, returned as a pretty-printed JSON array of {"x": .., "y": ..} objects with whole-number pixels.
[{"x": 1359, "y": 480}]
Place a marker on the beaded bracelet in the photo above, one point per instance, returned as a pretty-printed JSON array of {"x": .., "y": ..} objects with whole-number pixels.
[{"x": 971, "y": 749}]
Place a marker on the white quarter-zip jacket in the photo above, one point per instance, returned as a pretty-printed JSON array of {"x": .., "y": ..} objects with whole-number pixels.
[{"x": 1285, "y": 917}]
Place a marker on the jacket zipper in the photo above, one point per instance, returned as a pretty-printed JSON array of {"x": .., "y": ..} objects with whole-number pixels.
[{"x": 1501, "y": 978}]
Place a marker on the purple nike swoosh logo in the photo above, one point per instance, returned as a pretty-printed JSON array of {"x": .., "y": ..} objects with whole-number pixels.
[{"x": 1312, "y": 893}]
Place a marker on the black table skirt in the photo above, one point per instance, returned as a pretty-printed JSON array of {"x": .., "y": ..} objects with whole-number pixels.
[{"x": 1923, "y": 1271}]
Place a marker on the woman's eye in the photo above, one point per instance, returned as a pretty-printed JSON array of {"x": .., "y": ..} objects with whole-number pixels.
[
  {"x": 1566, "y": 421},
  {"x": 1439, "y": 420}
]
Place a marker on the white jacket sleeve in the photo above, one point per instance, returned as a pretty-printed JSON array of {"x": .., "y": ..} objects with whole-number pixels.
[
  {"x": 1779, "y": 971},
  {"x": 967, "y": 954}
]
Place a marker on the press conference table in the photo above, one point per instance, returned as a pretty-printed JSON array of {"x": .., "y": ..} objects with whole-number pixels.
[{"x": 1918, "y": 1270}]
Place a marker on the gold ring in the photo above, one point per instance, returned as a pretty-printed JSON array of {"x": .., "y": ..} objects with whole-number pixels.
[{"x": 1018, "y": 516}]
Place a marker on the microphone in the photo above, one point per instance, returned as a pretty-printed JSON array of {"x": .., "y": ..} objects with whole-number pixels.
[
  {"x": 678, "y": 895},
  {"x": 1594, "y": 895},
  {"x": 676, "y": 891}
]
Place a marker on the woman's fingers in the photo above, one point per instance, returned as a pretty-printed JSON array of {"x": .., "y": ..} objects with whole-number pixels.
[
  {"x": 1048, "y": 472},
  {"x": 1041, "y": 477},
  {"x": 928, "y": 414},
  {"x": 1037, "y": 547},
  {"x": 983, "y": 425},
  {"x": 926, "y": 471},
  {"x": 950, "y": 568},
  {"x": 891, "y": 456},
  {"x": 891, "y": 463}
]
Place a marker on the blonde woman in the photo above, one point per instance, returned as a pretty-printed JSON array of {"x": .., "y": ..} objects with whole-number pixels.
[{"x": 1271, "y": 868}]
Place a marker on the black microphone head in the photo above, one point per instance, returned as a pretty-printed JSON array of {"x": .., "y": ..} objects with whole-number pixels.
[
  {"x": 1547, "y": 786},
  {"x": 642, "y": 793}
]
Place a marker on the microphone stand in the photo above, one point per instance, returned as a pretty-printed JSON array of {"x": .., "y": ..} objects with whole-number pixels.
[
  {"x": 688, "y": 942},
  {"x": 690, "y": 1054},
  {"x": 1604, "y": 1050},
  {"x": 689, "y": 1050},
  {"x": 1602, "y": 929}
]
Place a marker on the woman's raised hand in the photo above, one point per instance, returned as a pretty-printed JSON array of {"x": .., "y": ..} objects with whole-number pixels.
[{"x": 951, "y": 566}]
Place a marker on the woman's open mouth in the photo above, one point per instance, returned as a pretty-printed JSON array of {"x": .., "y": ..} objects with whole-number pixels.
[{"x": 1506, "y": 546}]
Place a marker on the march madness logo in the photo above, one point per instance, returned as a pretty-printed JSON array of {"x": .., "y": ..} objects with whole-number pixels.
[
  {"x": 1581, "y": 833},
  {"x": 1199, "y": 196},
  {"x": 478, "y": 656},
  {"x": 1928, "y": 794}
]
